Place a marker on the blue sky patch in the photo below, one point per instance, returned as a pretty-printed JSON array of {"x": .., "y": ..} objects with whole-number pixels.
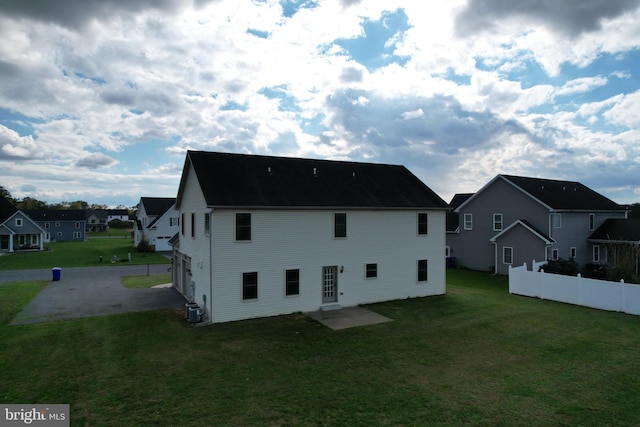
[{"x": 375, "y": 48}]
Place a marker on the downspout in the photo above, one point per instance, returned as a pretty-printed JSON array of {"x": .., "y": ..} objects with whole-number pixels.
[
  {"x": 495, "y": 262},
  {"x": 211, "y": 266}
]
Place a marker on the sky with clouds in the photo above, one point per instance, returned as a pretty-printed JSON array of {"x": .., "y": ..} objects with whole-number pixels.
[{"x": 99, "y": 100}]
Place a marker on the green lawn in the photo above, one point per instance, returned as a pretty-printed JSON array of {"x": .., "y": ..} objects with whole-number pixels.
[
  {"x": 81, "y": 254},
  {"x": 477, "y": 356},
  {"x": 145, "y": 281}
]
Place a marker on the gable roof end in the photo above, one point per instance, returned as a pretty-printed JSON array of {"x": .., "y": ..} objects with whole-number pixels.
[{"x": 555, "y": 195}]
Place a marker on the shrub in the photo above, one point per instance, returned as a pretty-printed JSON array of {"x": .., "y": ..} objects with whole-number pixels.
[
  {"x": 561, "y": 266},
  {"x": 144, "y": 246}
]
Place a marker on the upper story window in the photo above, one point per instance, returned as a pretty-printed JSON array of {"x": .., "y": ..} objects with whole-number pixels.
[
  {"x": 468, "y": 221},
  {"x": 77, "y": 225},
  {"x": 193, "y": 224},
  {"x": 572, "y": 252},
  {"x": 174, "y": 222},
  {"x": 182, "y": 227},
  {"x": 422, "y": 223},
  {"x": 18, "y": 222},
  {"x": 557, "y": 220},
  {"x": 497, "y": 221},
  {"x": 340, "y": 225},
  {"x": 243, "y": 226},
  {"x": 592, "y": 221}
]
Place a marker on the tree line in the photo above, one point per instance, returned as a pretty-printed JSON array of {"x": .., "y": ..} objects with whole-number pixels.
[{"x": 29, "y": 203}]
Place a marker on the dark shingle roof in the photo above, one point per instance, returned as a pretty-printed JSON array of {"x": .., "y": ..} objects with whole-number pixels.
[
  {"x": 6, "y": 209},
  {"x": 57, "y": 214},
  {"x": 265, "y": 181},
  {"x": 156, "y": 206},
  {"x": 564, "y": 195},
  {"x": 626, "y": 230}
]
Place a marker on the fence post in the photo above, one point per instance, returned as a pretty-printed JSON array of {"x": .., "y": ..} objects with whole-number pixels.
[
  {"x": 579, "y": 277},
  {"x": 542, "y": 283},
  {"x": 622, "y": 304}
]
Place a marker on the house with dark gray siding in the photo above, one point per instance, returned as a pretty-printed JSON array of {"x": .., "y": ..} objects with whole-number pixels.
[
  {"x": 61, "y": 225},
  {"x": 513, "y": 219}
]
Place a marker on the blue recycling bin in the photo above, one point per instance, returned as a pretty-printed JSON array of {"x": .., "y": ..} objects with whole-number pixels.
[{"x": 56, "y": 273}]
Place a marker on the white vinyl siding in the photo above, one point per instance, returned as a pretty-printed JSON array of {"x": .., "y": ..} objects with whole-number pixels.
[{"x": 274, "y": 247}]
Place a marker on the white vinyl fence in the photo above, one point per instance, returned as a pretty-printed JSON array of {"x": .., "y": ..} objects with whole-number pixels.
[{"x": 601, "y": 294}]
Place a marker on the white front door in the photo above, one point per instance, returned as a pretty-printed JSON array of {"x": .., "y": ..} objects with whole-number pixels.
[{"x": 329, "y": 284}]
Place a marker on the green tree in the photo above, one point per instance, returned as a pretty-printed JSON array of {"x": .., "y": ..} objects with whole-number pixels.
[{"x": 29, "y": 203}]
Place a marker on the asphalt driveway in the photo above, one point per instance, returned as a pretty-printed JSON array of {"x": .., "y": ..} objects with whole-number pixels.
[{"x": 88, "y": 292}]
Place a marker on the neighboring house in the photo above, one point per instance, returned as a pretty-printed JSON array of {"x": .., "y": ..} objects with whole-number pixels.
[
  {"x": 515, "y": 219},
  {"x": 264, "y": 236},
  {"x": 17, "y": 230},
  {"x": 97, "y": 220},
  {"x": 61, "y": 225},
  {"x": 157, "y": 222},
  {"x": 117, "y": 215},
  {"x": 618, "y": 241},
  {"x": 453, "y": 225}
]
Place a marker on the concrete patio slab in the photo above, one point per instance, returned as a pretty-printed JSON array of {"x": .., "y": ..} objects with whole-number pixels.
[{"x": 348, "y": 317}]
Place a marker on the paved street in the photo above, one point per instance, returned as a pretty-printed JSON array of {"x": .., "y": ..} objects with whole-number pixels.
[{"x": 87, "y": 292}]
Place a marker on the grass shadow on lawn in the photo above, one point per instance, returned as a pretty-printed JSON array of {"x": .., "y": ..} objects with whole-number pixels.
[{"x": 476, "y": 356}]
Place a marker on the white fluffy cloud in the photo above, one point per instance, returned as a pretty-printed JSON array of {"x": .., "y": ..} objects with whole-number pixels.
[{"x": 457, "y": 91}]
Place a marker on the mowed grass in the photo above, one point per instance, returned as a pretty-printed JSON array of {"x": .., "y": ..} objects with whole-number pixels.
[
  {"x": 81, "y": 254},
  {"x": 134, "y": 282},
  {"x": 477, "y": 356}
]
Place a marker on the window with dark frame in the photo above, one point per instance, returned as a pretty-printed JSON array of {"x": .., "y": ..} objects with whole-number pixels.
[
  {"x": 371, "y": 271},
  {"x": 572, "y": 252},
  {"x": 422, "y": 270},
  {"x": 292, "y": 282},
  {"x": 422, "y": 223},
  {"x": 507, "y": 255},
  {"x": 592, "y": 219},
  {"x": 250, "y": 285},
  {"x": 340, "y": 225},
  {"x": 182, "y": 224},
  {"x": 193, "y": 224},
  {"x": 207, "y": 224},
  {"x": 243, "y": 226}
]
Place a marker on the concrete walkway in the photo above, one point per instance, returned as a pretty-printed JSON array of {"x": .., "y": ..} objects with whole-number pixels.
[{"x": 88, "y": 292}]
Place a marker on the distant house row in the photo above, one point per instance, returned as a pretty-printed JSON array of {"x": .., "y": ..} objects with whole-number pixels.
[{"x": 30, "y": 229}]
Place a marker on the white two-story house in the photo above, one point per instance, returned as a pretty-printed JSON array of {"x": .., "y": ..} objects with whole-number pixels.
[
  {"x": 157, "y": 222},
  {"x": 262, "y": 236}
]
